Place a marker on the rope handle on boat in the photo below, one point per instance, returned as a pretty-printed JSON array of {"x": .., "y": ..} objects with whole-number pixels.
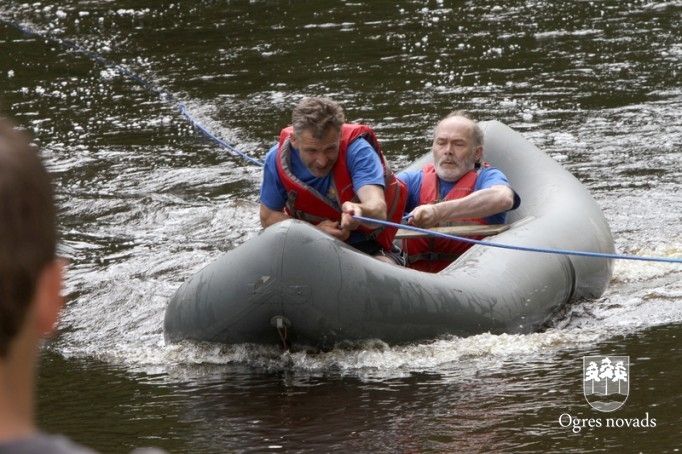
[{"x": 519, "y": 248}]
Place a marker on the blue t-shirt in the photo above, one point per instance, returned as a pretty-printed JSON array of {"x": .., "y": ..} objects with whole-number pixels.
[
  {"x": 364, "y": 166},
  {"x": 487, "y": 177}
]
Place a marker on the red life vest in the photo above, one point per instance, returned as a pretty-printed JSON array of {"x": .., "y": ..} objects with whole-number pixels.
[
  {"x": 433, "y": 254},
  {"x": 307, "y": 204}
]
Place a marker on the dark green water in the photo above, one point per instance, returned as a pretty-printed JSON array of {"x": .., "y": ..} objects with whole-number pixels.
[
  {"x": 146, "y": 201},
  {"x": 498, "y": 404}
]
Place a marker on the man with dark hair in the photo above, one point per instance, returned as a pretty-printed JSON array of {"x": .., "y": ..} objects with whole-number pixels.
[
  {"x": 325, "y": 171},
  {"x": 31, "y": 279},
  {"x": 30, "y": 291}
]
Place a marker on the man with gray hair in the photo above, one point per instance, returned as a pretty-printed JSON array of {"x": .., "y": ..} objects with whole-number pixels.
[{"x": 457, "y": 187}]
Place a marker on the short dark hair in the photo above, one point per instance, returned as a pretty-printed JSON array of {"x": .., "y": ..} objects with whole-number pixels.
[
  {"x": 317, "y": 115},
  {"x": 28, "y": 228}
]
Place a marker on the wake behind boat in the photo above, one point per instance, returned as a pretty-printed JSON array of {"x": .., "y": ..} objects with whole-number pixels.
[{"x": 294, "y": 284}]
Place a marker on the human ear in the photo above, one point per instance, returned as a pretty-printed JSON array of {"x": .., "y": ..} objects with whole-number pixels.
[
  {"x": 478, "y": 153},
  {"x": 48, "y": 297}
]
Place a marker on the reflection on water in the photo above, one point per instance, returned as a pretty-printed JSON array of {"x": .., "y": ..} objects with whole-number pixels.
[
  {"x": 146, "y": 201},
  {"x": 482, "y": 403}
]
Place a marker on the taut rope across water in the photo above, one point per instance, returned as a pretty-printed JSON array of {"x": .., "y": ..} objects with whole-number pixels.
[{"x": 171, "y": 99}]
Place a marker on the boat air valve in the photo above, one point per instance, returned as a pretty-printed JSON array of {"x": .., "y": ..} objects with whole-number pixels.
[{"x": 281, "y": 323}]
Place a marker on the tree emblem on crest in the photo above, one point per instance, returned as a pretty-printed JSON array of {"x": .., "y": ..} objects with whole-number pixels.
[{"x": 606, "y": 382}]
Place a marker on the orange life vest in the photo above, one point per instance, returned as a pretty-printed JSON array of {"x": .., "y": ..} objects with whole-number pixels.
[
  {"x": 433, "y": 254},
  {"x": 307, "y": 204}
]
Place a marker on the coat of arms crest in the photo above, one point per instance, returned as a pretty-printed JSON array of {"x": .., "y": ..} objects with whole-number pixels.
[{"x": 606, "y": 381}]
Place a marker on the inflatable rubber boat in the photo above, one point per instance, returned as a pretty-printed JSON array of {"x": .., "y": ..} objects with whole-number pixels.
[{"x": 295, "y": 285}]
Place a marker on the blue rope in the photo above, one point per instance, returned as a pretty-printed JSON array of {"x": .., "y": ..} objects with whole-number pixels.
[
  {"x": 519, "y": 248},
  {"x": 126, "y": 72},
  {"x": 170, "y": 98}
]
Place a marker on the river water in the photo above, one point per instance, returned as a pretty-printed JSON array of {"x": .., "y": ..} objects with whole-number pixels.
[{"x": 146, "y": 200}]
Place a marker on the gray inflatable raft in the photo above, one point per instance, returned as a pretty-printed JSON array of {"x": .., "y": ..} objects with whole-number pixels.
[{"x": 295, "y": 284}]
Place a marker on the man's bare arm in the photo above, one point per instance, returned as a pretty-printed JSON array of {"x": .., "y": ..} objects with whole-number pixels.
[
  {"x": 372, "y": 205},
  {"x": 478, "y": 204}
]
